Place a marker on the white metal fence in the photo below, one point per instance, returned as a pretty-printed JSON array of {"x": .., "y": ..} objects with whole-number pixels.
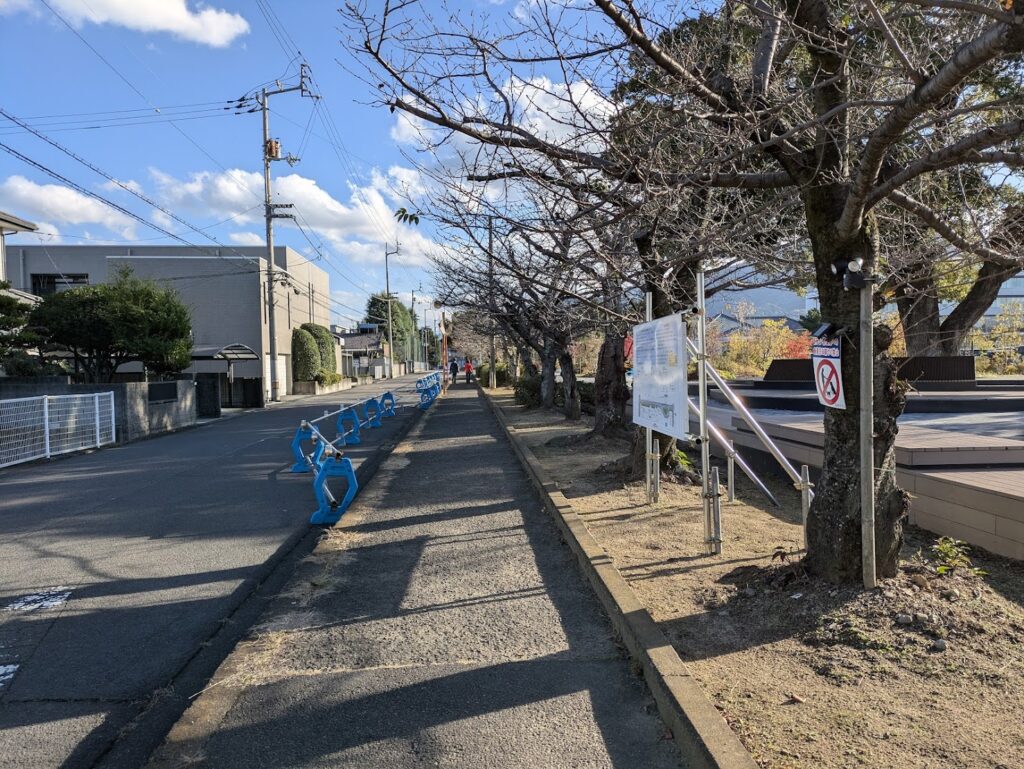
[{"x": 43, "y": 426}]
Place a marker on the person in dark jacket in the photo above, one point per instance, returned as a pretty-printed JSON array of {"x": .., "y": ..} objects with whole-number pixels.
[{"x": 454, "y": 369}]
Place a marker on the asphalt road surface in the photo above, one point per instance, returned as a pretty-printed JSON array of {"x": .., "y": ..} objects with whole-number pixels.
[
  {"x": 455, "y": 630},
  {"x": 127, "y": 575}
]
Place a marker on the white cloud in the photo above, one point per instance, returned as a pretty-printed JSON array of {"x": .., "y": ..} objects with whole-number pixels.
[
  {"x": 247, "y": 239},
  {"x": 119, "y": 185},
  {"x": 13, "y": 6},
  {"x": 48, "y": 232},
  {"x": 408, "y": 129},
  {"x": 61, "y": 205},
  {"x": 357, "y": 229},
  {"x": 205, "y": 25}
]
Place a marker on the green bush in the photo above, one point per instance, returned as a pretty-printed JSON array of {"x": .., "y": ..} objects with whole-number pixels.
[
  {"x": 305, "y": 356},
  {"x": 483, "y": 374},
  {"x": 325, "y": 377},
  {"x": 325, "y": 344},
  {"x": 527, "y": 392},
  {"x": 587, "y": 396}
]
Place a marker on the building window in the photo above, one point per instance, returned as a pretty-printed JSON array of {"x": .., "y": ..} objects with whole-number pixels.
[{"x": 44, "y": 285}]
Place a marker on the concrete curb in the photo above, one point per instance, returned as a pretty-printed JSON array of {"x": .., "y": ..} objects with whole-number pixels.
[
  {"x": 703, "y": 736},
  {"x": 182, "y": 746}
]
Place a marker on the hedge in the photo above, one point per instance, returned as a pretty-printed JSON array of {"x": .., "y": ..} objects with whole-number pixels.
[
  {"x": 482, "y": 373},
  {"x": 305, "y": 356},
  {"x": 325, "y": 344}
]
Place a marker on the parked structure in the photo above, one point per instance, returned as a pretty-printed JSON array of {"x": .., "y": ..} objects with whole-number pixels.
[
  {"x": 12, "y": 225},
  {"x": 225, "y": 289}
]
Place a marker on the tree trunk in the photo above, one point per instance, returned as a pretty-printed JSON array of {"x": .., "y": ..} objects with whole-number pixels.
[
  {"x": 611, "y": 395},
  {"x": 547, "y": 373},
  {"x": 569, "y": 388},
  {"x": 917, "y": 300},
  {"x": 528, "y": 369},
  {"x": 833, "y": 524},
  {"x": 982, "y": 294}
]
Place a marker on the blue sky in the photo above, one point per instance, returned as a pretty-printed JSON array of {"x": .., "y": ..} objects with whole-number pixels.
[{"x": 190, "y": 59}]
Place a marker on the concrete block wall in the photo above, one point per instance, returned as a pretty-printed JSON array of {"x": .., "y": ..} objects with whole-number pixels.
[{"x": 134, "y": 417}]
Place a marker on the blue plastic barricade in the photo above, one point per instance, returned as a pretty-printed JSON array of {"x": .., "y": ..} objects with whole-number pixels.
[
  {"x": 327, "y": 462},
  {"x": 330, "y": 508},
  {"x": 349, "y": 417},
  {"x": 304, "y": 433},
  {"x": 373, "y": 406}
]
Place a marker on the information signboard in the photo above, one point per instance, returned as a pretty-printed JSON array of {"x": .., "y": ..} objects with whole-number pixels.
[{"x": 659, "y": 376}]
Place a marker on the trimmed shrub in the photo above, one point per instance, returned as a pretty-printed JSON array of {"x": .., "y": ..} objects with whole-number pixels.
[
  {"x": 305, "y": 356},
  {"x": 325, "y": 377},
  {"x": 587, "y": 393},
  {"x": 483, "y": 374},
  {"x": 325, "y": 344},
  {"x": 527, "y": 392}
]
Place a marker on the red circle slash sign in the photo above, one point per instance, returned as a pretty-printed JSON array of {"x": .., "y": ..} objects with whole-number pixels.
[{"x": 828, "y": 380}]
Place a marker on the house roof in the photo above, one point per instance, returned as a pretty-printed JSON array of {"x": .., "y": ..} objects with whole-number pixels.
[
  {"x": 235, "y": 351},
  {"x": 11, "y": 223},
  {"x": 359, "y": 341},
  {"x": 21, "y": 296}
]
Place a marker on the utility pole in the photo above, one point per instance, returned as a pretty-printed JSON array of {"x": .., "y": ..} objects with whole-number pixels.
[
  {"x": 387, "y": 289},
  {"x": 426, "y": 340},
  {"x": 412, "y": 313},
  {"x": 271, "y": 152},
  {"x": 867, "y": 432},
  {"x": 492, "y": 374}
]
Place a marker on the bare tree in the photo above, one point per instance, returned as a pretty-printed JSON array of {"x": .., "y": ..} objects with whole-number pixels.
[{"x": 846, "y": 107}]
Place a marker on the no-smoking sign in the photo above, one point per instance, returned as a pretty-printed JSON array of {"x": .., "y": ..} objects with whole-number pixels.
[{"x": 828, "y": 372}]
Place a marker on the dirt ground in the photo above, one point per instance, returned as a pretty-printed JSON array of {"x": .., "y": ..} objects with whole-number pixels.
[{"x": 925, "y": 672}]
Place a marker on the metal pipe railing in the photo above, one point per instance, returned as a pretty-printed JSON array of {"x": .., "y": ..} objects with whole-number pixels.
[
  {"x": 734, "y": 455},
  {"x": 737, "y": 403}
]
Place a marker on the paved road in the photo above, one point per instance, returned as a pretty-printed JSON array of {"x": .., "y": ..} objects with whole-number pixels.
[
  {"x": 458, "y": 633},
  {"x": 139, "y": 555}
]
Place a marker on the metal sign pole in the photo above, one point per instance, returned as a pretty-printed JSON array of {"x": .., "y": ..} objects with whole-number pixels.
[
  {"x": 648, "y": 433},
  {"x": 867, "y": 435},
  {"x": 710, "y": 526}
]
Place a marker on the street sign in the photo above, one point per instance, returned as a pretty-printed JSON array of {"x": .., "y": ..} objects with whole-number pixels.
[
  {"x": 828, "y": 372},
  {"x": 659, "y": 376}
]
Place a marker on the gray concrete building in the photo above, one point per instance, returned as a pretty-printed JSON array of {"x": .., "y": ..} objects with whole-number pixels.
[{"x": 225, "y": 289}]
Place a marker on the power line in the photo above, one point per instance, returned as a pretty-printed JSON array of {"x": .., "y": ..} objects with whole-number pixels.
[
  {"x": 123, "y": 111},
  {"x": 57, "y": 145},
  {"x": 122, "y": 124}
]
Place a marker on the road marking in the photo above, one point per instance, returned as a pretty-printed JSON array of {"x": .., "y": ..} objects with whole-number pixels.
[{"x": 48, "y": 598}]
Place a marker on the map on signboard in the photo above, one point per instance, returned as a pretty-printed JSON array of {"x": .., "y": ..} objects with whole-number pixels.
[
  {"x": 828, "y": 372},
  {"x": 659, "y": 376}
]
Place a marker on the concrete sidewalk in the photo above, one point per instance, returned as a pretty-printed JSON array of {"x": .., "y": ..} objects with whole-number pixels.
[
  {"x": 443, "y": 623},
  {"x": 148, "y": 561}
]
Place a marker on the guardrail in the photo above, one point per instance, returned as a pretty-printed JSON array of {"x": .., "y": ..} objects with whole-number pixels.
[{"x": 315, "y": 453}]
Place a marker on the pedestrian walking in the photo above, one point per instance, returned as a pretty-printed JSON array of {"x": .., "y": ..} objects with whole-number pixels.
[
  {"x": 453, "y": 367},
  {"x": 469, "y": 370}
]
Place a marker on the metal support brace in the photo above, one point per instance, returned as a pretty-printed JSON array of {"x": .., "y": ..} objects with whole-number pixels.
[
  {"x": 804, "y": 487},
  {"x": 656, "y": 472},
  {"x": 716, "y": 513},
  {"x": 730, "y": 471}
]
